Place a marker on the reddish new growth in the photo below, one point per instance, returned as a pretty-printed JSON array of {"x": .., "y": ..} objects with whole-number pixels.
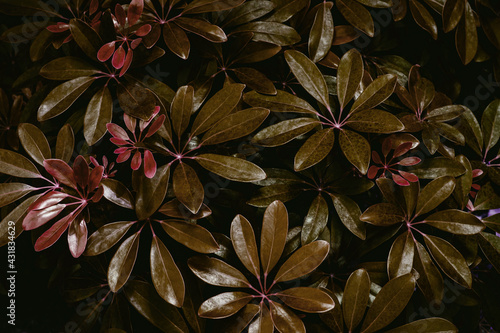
[
  {"x": 83, "y": 187},
  {"x": 129, "y": 146},
  {"x": 389, "y": 165},
  {"x": 129, "y": 36}
]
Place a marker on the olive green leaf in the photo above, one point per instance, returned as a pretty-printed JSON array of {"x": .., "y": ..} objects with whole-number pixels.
[
  {"x": 34, "y": 142},
  {"x": 224, "y": 305},
  {"x": 321, "y": 35},
  {"x": 307, "y": 299},
  {"x": 490, "y": 245},
  {"x": 181, "y": 109},
  {"x": 383, "y": 214},
  {"x": 216, "y": 272},
  {"x": 452, "y": 13},
  {"x": 281, "y": 102},
  {"x": 430, "y": 280},
  {"x": 429, "y": 325},
  {"x": 423, "y": 18},
  {"x": 202, "y": 28},
  {"x": 357, "y": 15},
  {"x": 349, "y": 74},
  {"x": 245, "y": 245},
  {"x": 176, "y": 40},
  {"x": 466, "y": 39},
  {"x": 400, "y": 259},
  {"x": 229, "y": 167},
  {"x": 456, "y": 222},
  {"x": 355, "y": 298},
  {"x": 99, "y": 113},
  {"x": 434, "y": 193},
  {"x": 285, "y": 320},
  {"x": 191, "y": 235},
  {"x": 14, "y": 164},
  {"x": 356, "y": 149},
  {"x": 270, "y": 32},
  {"x": 349, "y": 213},
  {"x": 117, "y": 193},
  {"x": 106, "y": 237},
  {"x": 67, "y": 68},
  {"x": 490, "y": 124},
  {"x": 377, "y": 92},
  {"x": 65, "y": 143},
  {"x": 151, "y": 192},
  {"x": 273, "y": 235},
  {"x": 315, "y": 220},
  {"x": 284, "y": 131},
  {"x": 315, "y": 149},
  {"x": 187, "y": 187},
  {"x": 122, "y": 263},
  {"x": 375, "y": 121},
  {"x": 432, "y": 168}
]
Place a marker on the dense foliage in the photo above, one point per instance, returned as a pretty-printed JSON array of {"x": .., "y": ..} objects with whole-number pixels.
[{"x": 251, "y": 165}]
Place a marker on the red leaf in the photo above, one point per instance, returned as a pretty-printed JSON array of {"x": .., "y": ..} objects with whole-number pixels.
[
  {"x": 376, "y": 158},
  {"x": 476, "y": 173},
  {"x": 126, "y": 64},
  {"x": 130, "y": 122},
  {"x": 372, "y": 171},
  {"x": 49, "y": 199},
  {"x": 49, "y": 237},
  {"x": 106, "y": 51},
  {"x": 144, "y": 30},
  {"x": 81, "y": 171},
  {"x": 118, "y": 58},
  {"x": 37, "y": 218},
  {"x": 136, "y": 161},
  {"x": 117, "y": 132},
  {"x": 59, "y": 27},
  {"x": 98, "y": 194},
  {"x": 120, "y": 15},
  {"x": 400, "y": 180},
  {"x": 402, "y": 149},
  {"x": 409, "y": 161},
  {"x": 135, "y": 43},
  {"x": 156, "y": 126},
  {"x": 61, "y": 171},
  {"x": 120, "y": 150},
  {"x": 386, "y": 146},
  {"x": 94, "y": 4},
  {"x": 123, "y": 156},
  {"x": 77, "y": 236},
  {"x": 95, "y": 177},
  {"x": 119, "y": 142},
  {"x": 144, "y": 124},
  {"x": 134, "y": 11},
  {"x": 149, "y": 164},
  {"x": 409, "y": 176}
]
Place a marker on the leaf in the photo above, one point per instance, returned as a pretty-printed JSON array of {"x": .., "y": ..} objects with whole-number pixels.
[
  {"x": 61, "y": 171},
  {"x": 14, "y": 219},
  {"x": 423, "y": 18},
  {"x": 355, "y": 298},
  {"x": 469, "y": 126},
  {"x": 375, "y": 121},
  {"x": 307, "y": 299},
  {"x": 430, "y": 280},
  {"x": 224, "y": 305},
  {"x": 86, "y": 37},
  {"x": 321, "y": 35},
  {"x": 308, "y": 75},
  {"x": 431, "y": 168},
  {"x": 466, "y": 39},
  {"x": 188, "y": 188},
  {"x": 206, "y": 6},
  {"x": 452, "y": 13},
  {"x": 383, "y": 214},
  {"x": 486, "y": 198},
  {"x": 490, "y": 124},
  {"x": 248, "y": 12},
  {"x": 285, "y": 320},
  {"x": 117, "y": 193},
  {"x": 445, "y": 113},
  {"x": 190, "y": 235},
  {"x": 123, "y": 261},
  {"x": 176, "y": 39},
  {"x": 434, "y": 193},
  {"x": 273, "y": 235},
  {"x": 286, "y": 10},
  {"x": 166, "y": 277},
  {"x": 490, "y": 245},
  {"x": 99, "y": 113},
  {"x": 357, "y": 15},
  {"x": 65, "y": 143},
  {"x": 400, "y": 259},
  {"x": 389, "y": 303},
  {"x": 14, "y": 164},
  {"x": 77, "y": 236},
  {"x": 62, "y": 97},
  {"x": 34, "y": 142},
  {"x": 315, "y": 220},
  {"x": 10, "y": 192},
  {"x": 52, "y": 235},
  {"x": 255, "y": 80},
  {"x": 217, "y": 273},
  {"x": 244, "y": 244},
  {"x": 202, "y": 28},
  {"x": 106, "y": 237},
  {"x": 333, "y": 318},
  {"x": 181, "y": 109},
  {"x": 236, "y": 125},
  {"x": 270, "y": 32},
  {"x": 219, "y": 106},
  {"x": 315, "y": 149},
  {"x": 268, "y": 194},
  {"x": 263, "y": 323},
  {"x": 284, "y": 131},
  {"x": 145, "y": 299},
  {"x": 174, "y": 208},
  {"x": 456, "y": 222},
  {"x": 280, "y": 102},
  {"x": 67, "y": 68},
  {"x": 356, "y": 149},
  {"x": 377, "y": 92},
  {"x": 136, "y": 100},
  {"x": 151, "y": 192},
  {"x": 449, "y": 260},
  {"x": 303, "y": 261},
  {"x": 428, "y": 325},
  {"x": 349, "y": 213}
]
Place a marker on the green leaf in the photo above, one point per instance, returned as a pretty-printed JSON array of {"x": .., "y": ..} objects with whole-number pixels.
[
  {"x": 389, "y": 303},
  {"x": 236, "y": 125},
  {"x": 449, "y": 260},
  {"x": 445, "y": 113},
  {"x": 148, "y": 303},
  {"x": 357, "y": 15},
  {"x": 187, "y": 187},
  {"x": 123, "y": 261},
  {"x": 315, "y": 149},
  {"x": 490, "y": 124},
  {"x": 219, "y": 106},
  {"x": 315, "y": 220},
  {"x": 273, "y": 235},
  {"x": 202, "y": 28},
  {"x": 166, "y": 277},
  {"x": 99, "y": 113},
  {"x": 355, "y": 298},
  {"x": 67, "y": 68},
  {"x": 486, "y": 198},
  {"x": 490, "y": 245},
  {"x": 383, "y": 214},
  {"x": 356, "y": 149},
  {"x": 65, "y": 143},
  {"x": 284, "y": 131},
  {"x": 375, "y": 121},
  {"x": 151, "y": 192},
  {"x": 430, "y": 280},
  {"x": 62, "y": 97},
  {"x": 14, "y": 164},
  {"x": 270, "y": 32},
  {"x": 431, "y": 168},
  {"x": 307, "y": 299},
  {"x": 428, "y": 325},
  {"x": 321, "y": 35},
  {"x": 400, "y": 259},
  {"x": 34, "y": 142},
  {"x": 303, "y": 261},
  {"x": 232, "y": 168},
  {"x": 463, "y": 183},
  {"x": 106, "y": 237},
  {"x": 181, "y": 109},
  {"x": 191, "y": 235},
  {"x": 434, "y": 193},
  {"x": 217, "y": 273},
  {"x": 456, "y": 222},
  {"x": 281, "y": 102},
  {"x": 377, "y": 92},
  {"x": 224, "y": 305},
  {"x": 245, "y": 245},
  {"x": 349, "y": 213},
  {"x": 308, "y": 75}
]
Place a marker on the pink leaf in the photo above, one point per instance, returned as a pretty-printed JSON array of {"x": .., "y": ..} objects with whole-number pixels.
[
  {"x": 81, "y": 171},
  {"x": 95, "y": 177},
  {"x": 49, "y": 199},
  {"x": 37, "y": 218},
  {"x": 134, "y": 11},
  {"x": 409, "y": 161},
  {"x": 106, "y": 51},
  {"x": 120, "y": 150},
  {"x": 117, "y": 132},
  {"x": 144, "y": 30},
  {"x": 476, "y": 173},
  {"x": 61, "y": 171},
  {"x": 119, "y": 142},
  {"x": 149, "y": 164},
  {"x": 136, "y": 42},
  {"x": 120, "y": 15},
  {"x": 409, "y": 176},
  {"x": 400, "y": 180},
  {"x": 136, "y": 161},
  {"x": 372, "y": 171},
  {"x": 49, "y": 237},
  {"x": 126, "y": 64},
  {"x": 123, "y": 156},
  {"x": 118, "y": 58},
  {"x": 93, "y": 161},
  {"x": 144, "y": 124},
  {"x": 77, "y": 236},
  {"x": 156, "y": 126},
  {"x": 130, "y": 122}
]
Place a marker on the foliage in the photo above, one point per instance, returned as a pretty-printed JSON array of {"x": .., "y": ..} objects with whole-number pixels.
[{"x": 363, "y": 134}]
